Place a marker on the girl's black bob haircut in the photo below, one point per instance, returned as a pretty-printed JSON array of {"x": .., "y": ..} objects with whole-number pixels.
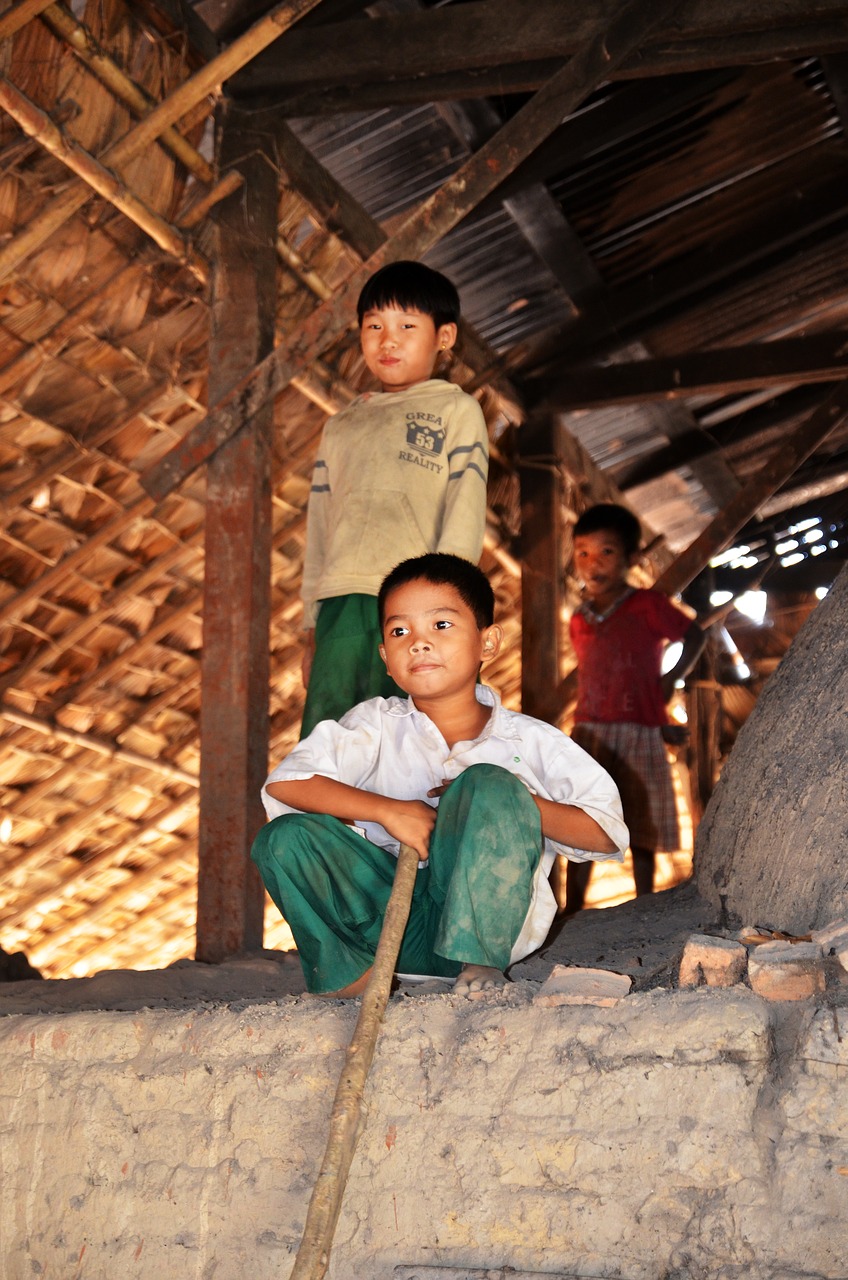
[
  {"x": 410, "y": 285},
  {"x": 609, "y": 517},
  {"x": 441, "y": 568}
]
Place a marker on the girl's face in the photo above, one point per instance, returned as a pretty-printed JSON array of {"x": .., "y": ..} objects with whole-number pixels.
[{"x": 601, "y": 565}]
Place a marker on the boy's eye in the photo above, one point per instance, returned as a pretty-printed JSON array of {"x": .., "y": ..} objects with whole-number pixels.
[
  {"x": 398, "y": 631},
  {"x": 442, "y": 624}
]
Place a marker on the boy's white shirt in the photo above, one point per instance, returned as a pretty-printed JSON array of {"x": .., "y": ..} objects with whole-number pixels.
[
  {"x": 389, "y": 747},
  {"x": 397, "y": 474}
]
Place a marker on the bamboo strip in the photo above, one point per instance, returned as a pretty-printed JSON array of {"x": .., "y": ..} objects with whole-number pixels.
[
  {"x": 20, "y": 14},
  {"x": 144, "y": 134},
  {"x": 124, "y": 89},
  {"x": 313, "y": 1256},
  {"x": 103, "y": 746},
  {"x": 106, "y": 857},
  {"x": 17, "y": 603},
  {"x": 37, "y": 124},
  {"x": 195, "y": 214}
]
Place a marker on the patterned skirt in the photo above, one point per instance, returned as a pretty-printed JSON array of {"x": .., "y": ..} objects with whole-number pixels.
[{"x": 636, "y": 758}]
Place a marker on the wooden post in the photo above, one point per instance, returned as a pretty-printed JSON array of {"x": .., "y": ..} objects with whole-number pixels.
[
  {"x": 541, "y": 571},
  {"x": 703, "y": 708},
  {"x": 236, "y": 611}
]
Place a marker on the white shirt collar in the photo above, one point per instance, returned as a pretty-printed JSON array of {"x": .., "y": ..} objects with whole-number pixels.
[{"x": 500, "y": 723}]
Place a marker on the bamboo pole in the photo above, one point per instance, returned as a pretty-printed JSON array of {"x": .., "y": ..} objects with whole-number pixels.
[
  {"x": 38, "y": 125},
  {"x": 203, "y": 82},
  {"x": 313, "y": 1256},
  {"x": 20, "y": 14},
  {"x": 121, "y": 86}
]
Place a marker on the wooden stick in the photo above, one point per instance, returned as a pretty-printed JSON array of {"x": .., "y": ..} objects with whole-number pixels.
[{"x": 313, "y": 1256}]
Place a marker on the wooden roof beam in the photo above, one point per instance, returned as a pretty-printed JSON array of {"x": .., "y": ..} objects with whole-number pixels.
[
  {"x": 785, "y": 362},
  {"x": 781, "y": 466},
  {"x": 495, "y": 48},
  {"x": 442, "y": 211},
  {"x": 798, "y": 224}
]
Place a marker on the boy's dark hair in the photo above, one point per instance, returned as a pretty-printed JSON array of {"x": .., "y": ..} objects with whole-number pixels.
[
  {"x": 440, "y": 568},
  {"x": 609, "y": 517},
  {"x": 410, "y": 284}
]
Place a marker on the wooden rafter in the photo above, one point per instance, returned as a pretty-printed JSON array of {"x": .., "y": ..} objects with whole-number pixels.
[
  {"x": 458, "y": 52},
  {"x": 782, "y": 363},
  {"x": 123, "y": 87},
  {"x": 742, "y": 508},
  {"x": 420, "y": 231}
]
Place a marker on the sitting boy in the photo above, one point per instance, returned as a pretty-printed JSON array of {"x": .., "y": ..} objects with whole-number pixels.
[{"x": 486, "y": 796}]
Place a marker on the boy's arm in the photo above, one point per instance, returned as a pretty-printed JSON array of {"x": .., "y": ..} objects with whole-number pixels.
[
  {"x": 464, "y": 520},
  {"x": 408, "y": 821},
  {"x": 567, "y": 824},
  {"x": 317, "y": 534},
  {"x": 693, "y": 645}
]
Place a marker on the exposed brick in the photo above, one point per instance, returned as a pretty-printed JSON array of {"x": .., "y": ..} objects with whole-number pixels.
[
  {"x": 712, "y": 962},
  {"x": 833, "y": 937},
  {"x": 786, "y": 971},
  {"x": 572, "y": 985}
]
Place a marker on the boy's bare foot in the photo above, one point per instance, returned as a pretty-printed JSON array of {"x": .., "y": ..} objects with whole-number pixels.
[
  {"x": 352, "y": 989},
  {"x": 478, "y": 977}
]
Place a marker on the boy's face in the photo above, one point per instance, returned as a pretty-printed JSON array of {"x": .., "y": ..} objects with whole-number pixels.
[
  {"x": 400, "y": 346},
  {"x": 601, "y": 565},
  {"x": 432, "y": 646}
]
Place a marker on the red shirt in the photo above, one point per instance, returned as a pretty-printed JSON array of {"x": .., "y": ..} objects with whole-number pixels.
[{"x": 619, "y": 658}]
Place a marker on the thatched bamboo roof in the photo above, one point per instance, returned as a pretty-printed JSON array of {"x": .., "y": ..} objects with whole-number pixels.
[{"x": 104, "y": 325}]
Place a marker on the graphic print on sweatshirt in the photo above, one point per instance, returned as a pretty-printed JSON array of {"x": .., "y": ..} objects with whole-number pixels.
[{"x": 425, "y": 438}]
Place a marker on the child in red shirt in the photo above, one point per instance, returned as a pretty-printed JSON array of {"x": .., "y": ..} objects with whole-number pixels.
[{"x": 619, "y": 634}]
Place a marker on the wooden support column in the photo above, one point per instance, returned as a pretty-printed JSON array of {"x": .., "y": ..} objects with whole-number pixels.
[
  {"x": 541, "y": 574},
  {"x": 703, "y": 708},
  {"x": 235, "y": 661}
]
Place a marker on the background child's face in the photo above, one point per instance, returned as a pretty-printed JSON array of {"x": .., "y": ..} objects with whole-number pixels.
[
  {"x": 401, "y": 346},
  {"x": 432, "y": 646},
  {"x": 601, "y": 565}
]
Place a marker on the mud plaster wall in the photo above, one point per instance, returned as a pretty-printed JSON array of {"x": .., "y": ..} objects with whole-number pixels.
[{"x": 684, "y": 1134}]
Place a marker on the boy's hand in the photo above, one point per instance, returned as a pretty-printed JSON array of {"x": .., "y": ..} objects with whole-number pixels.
[
  {"x": 411, "y": 822},
  {"x": 441, "y": 788},
  {"x": 668, "y": 683}
]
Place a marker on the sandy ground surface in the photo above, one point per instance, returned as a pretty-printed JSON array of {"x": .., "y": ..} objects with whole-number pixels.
[{"x": 642, "y": 938}]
